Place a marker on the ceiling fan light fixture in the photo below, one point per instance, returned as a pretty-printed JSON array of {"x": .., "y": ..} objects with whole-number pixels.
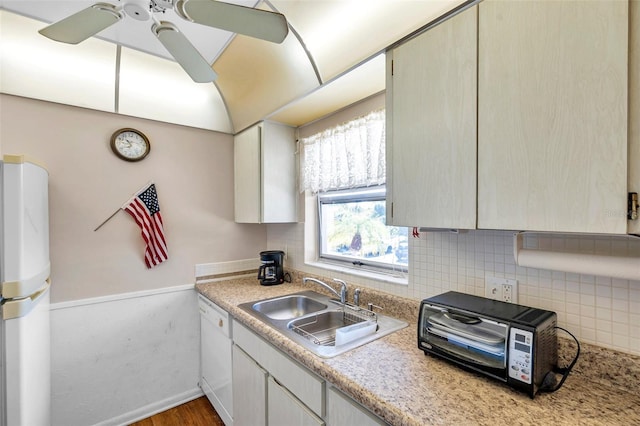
[{"x": 184, "y": 52}]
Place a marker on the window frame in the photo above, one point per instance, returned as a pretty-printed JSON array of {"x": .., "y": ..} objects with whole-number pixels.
[{"x": 362, "y": 194}]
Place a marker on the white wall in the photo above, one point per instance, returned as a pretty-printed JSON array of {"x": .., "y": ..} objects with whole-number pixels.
[
  {"x": 600, "y": 310},
  {"x": 115, "y": 360}
]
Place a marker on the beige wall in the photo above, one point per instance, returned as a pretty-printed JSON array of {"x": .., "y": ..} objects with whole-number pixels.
[
  {"x": 349, "y": 113},
  {"x": 193, "y": 173}
]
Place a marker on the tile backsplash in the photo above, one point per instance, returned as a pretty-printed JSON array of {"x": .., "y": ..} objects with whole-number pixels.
[{"x": 599, "y": 310}]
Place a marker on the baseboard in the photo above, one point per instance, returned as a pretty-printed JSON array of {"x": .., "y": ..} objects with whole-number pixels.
[{"x": 153, "y": 408}]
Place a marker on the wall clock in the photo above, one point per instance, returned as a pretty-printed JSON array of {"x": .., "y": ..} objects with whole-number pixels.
[{"x": 130, "y": 144}]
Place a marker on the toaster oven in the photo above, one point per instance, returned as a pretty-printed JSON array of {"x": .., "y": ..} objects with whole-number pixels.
[{"x": 512, "y": 343}]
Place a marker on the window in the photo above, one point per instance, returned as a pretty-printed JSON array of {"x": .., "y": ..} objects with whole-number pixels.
[
  {"x": 352, "y": 229},
  {"x": 344, "y": 167}
]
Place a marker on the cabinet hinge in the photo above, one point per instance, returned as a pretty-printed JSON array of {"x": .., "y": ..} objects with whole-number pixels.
[
  {"x": 391, "y": 209},
  {"x": 633, "y": 206}
]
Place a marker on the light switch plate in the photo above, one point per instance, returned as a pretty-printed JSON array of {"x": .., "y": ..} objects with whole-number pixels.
[{"x": 503, "y": 289}]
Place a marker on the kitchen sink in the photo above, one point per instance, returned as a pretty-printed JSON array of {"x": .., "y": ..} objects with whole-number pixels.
[
  {"x": 321, "y": 324},
  {"x": 288, "y": 307}
]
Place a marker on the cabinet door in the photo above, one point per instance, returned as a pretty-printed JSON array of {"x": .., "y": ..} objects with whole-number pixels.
[
  {"x": 265, "y": 174},
  {"x": 249, "y": 390},
  {"x": 552, "y": 108},
  {"x": 285, "y": 410},
  {"x": 634, "y": 107},
  {"x": 247, "y": 179},
  {"x": 343, "y": 411},
  {"x": 279, "y": 193},
  {"x": 305, "y": 385},
  {"x": 431, "y": 127}
]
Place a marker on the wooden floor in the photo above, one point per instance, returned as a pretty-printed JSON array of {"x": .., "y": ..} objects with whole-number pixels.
[{"x": 198, "y": 412}]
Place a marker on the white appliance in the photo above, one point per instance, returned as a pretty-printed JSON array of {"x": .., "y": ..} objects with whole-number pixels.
[
  {"x": 25, "y": 371},
  {"x": 215, "y": 358}
]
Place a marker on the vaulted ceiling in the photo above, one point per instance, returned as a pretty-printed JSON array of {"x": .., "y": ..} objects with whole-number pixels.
[{"x": 332, "y": 56}]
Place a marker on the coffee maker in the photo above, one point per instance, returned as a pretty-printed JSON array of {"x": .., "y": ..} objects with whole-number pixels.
[{"x": 271, "y": 271}]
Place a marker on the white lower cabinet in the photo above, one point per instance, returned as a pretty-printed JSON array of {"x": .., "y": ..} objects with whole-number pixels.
[
  {"x": 249, "y": 390},
  {"x": 343, "y": 411},
  {"x": 302, "y": 383},
  {"x": 285, "y": 409},
  {"x": 269, "y": 388}
]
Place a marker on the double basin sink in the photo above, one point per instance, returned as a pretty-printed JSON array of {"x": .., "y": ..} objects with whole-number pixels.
[{"x": 321, "y": 324}]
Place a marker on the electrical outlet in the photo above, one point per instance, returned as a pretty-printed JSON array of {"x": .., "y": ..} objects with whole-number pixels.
[{"x": 503, "y": 289}]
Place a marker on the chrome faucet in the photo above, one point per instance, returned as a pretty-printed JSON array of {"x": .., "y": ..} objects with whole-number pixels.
[{"x": 343, "y": 287}]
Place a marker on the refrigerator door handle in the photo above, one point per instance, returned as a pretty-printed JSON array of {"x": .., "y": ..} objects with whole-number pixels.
[
  {"x": 25, "y": 287},
  {"x": 21, "y": 307}
]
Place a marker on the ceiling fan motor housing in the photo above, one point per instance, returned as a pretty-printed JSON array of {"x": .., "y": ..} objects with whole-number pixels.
[{"x": 138, "y": 9}]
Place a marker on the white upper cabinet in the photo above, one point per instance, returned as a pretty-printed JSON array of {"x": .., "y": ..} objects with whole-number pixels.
[
  {"x": 552, "y": 108},
  {"x": 556, "y": 146},
  {"x": 265, "y": 174},
  {"x": 431, "y": 127}
]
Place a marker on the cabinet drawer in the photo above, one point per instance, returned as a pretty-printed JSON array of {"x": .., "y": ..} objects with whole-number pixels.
[
  {"x": 215, "y": 314},
  {"x": 305, "y": 385}
]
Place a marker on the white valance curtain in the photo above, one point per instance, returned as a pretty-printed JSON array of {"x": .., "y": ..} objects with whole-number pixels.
[{"x": 347, "y": 156}]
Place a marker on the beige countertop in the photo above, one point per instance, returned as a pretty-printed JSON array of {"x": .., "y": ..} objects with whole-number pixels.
[{"x": 394, "y": 379}]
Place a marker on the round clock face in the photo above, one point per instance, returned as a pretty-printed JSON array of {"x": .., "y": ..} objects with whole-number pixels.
[{"x": 130, "y": 144}]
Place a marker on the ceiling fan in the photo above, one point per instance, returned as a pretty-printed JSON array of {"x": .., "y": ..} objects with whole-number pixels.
[{"x": 256, "y": 23}]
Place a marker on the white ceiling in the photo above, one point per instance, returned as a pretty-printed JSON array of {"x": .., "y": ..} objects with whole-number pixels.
[
  {"x": 330, "y": 59},
  {"x": 338, "y": 34}
]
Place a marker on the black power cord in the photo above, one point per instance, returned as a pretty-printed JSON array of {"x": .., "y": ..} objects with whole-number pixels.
[{"x": 549, "y": 383}]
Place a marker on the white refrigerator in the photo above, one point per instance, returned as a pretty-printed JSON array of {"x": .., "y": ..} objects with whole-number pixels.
[{"x": 25, "y": 345}]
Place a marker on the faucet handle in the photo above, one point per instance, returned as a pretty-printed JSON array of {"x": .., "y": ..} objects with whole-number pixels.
[
  {"x": 343, "y": 290},
  {"x": 370, "y": 307},
  {"x": 356, "y": 297}
]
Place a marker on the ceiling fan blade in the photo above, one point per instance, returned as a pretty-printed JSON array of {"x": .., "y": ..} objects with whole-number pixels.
[
  {"x": 183, "y": 52},
  {"x": 256, "y": 23},
  {"x": 84, "y": 24}
]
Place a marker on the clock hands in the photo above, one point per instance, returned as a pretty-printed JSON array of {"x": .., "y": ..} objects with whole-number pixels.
[{"x": 129, "y": 145}]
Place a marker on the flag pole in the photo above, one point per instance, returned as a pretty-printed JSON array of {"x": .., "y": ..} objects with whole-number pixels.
[
  {"x": 120, "y": 208},
  {"x": 107, "y": 220}
]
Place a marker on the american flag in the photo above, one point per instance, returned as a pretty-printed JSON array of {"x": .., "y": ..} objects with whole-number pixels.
[{"x": 145, "y": 210}]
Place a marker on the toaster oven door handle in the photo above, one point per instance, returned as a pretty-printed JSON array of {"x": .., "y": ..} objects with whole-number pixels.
[{"x": 465, "y": 319}]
